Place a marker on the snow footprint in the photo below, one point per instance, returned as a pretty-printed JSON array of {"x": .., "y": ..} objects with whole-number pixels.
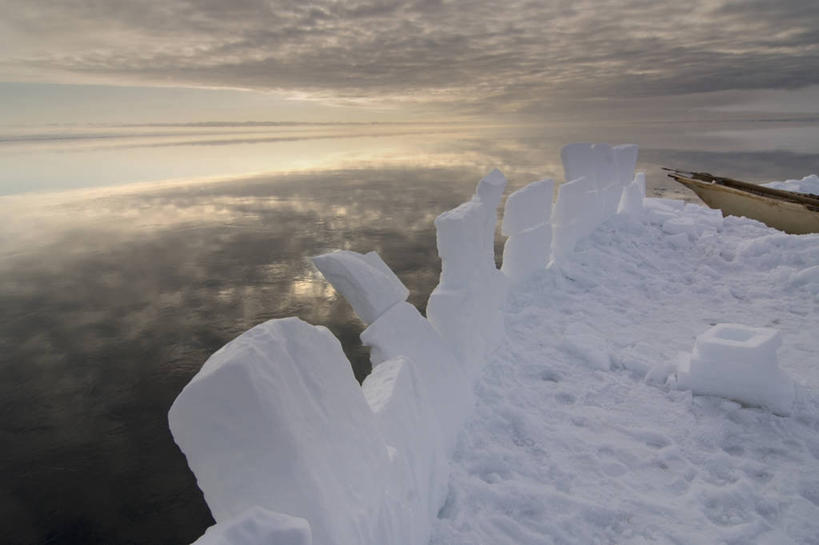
[
  {"x": 565, "y": 398},
  {"x": 810, "y": 491},
  {"x": 614, "y": 463},
  {"x": 650, "y": 438},
  {"x": 728, "y": 508}
]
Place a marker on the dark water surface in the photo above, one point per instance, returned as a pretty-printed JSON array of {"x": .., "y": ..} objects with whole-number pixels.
[
  {"x": 107, "y": 317},
  {"x": 110, "y": 302}
]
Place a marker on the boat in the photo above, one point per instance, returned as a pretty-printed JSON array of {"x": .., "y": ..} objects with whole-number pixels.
[{"x": 795, "y": 213}]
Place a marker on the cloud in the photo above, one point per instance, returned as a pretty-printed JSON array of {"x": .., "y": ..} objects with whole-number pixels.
[{"x": 515, "y": 56}]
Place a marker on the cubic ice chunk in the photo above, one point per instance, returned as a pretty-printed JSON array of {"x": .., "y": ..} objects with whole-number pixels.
[
  {"x": 755, "y": 346},
  {"x": 576, "y": 215},
  {"x": 608, "y": 173},
  {"x": 258, "y": 525},
  {"x": 528, "y": 207},
  {"x": 738, "y": 362},
  {"x": 602, "y": 157},
  {"x": 405, "y": 418},
  {"x": 465, "y": 306},
  {"x": 625, "y": 160},
  {"x": 490, "y": 188},
  {"x": 595, "y": 162},
  {"x": 489, "y": 192},
  {"x": 365, "y": 281},
  {"x": 631, "y": 200},
  {"x": 526, "y": 252},
  {"x": 275, "y": 418},
  {"x": 578, "y": 162},
  {"x": 460, "y": 242},
  {"x": 469, "y": 319},
  {"x": 442, "y": 380}
]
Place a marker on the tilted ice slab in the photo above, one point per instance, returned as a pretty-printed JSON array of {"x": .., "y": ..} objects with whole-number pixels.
[
  {"x": 528, "y": 207},
  {"x": 276, "y": 419},
  {"x": 739, "y": 363},
  {"x": 365, "y": 281}
]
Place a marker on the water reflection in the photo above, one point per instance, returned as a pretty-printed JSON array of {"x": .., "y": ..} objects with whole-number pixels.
[{"x": 107, "y": 314}]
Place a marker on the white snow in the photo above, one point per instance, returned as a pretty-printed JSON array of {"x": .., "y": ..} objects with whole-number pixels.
[
  {"x": 258, "y": 525},
  {"x": 560, "y": 403},
  {"x": 808, "y": 184},
  {"x": 562, "y": 450}
]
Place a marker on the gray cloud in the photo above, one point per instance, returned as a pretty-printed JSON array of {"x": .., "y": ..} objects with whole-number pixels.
[{"x": 518, "y": 55}]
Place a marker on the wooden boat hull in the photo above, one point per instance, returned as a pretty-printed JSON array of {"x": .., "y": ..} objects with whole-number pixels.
[{"x": 791, "y": 217}]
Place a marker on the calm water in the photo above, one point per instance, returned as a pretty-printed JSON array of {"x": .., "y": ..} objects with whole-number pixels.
[{"x": 111, "y": 299}]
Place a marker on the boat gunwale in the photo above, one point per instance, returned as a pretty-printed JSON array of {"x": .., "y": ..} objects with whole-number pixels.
[{"x": 807, "y": 199}]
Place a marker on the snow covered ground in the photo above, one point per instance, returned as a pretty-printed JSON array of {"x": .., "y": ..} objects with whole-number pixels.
[
  {"x": 560, "y": 449},
  {"x": 580, "y": 427}
]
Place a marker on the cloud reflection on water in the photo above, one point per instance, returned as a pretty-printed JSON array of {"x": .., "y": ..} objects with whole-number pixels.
[{"x": 111, "y": 305}]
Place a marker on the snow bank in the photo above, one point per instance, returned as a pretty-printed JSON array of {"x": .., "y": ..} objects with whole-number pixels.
[{"x": 738, "y": 362}]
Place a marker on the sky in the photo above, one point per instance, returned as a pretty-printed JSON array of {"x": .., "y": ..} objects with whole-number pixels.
[{"x": 64, "y": 61}]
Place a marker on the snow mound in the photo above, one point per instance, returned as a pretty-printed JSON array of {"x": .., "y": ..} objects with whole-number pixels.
[{"x": 808, "y": 184}]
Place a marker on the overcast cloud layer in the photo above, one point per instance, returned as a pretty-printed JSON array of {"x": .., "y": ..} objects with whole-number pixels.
[{"x": 514, "y": 55}]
